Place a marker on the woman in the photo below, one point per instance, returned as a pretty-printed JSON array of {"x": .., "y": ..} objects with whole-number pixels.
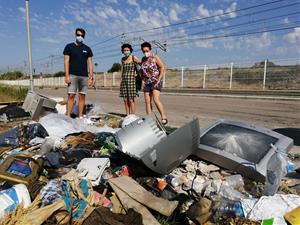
[
  {"x": 153, "y": 70},
  {"x": 129, "y": 72}
]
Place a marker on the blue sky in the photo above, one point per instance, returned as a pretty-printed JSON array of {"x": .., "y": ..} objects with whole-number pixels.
[{"x": 190, "y": 43}]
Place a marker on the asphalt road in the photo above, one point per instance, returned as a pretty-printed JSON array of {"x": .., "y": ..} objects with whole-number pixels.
[{"x": 270, "y": 113}]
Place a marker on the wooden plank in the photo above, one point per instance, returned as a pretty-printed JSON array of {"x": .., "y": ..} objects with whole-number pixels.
[
  {"x": 138, "y": 193},
  {"x": 130, "y": 203}
]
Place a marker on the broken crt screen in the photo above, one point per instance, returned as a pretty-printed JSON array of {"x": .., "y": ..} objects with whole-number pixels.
[{"x": 245, "y": 143}]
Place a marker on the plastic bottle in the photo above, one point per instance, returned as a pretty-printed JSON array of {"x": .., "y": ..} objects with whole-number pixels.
[
  {"x": 276, "y": 169},
  {"x": 11, "y": 197},
  {"x": 234, "y": 181},
  {"x": 174, "y": 181},
  {"x": 290, "y": 167},
  {"x": 229, "y": 208}
]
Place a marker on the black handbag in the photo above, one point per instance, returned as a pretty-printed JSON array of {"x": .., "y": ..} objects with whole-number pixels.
[{"x": 138, "y": 79}]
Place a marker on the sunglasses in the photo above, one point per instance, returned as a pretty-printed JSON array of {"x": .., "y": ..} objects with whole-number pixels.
[{"x": 80, "y": 35}]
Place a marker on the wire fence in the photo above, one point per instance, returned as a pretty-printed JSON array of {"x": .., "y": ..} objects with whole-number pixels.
[{"x": 267, "y": 75}]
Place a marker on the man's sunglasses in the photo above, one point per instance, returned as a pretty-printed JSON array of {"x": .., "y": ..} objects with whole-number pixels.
[{"x": 81, "y": 35}]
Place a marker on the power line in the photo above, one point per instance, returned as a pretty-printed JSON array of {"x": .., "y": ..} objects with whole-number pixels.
[
  {"x": 224, "y": 20},
  {"x": 245, "y": 33},
  {"x": 255, "y": 22},
  {"x": 205, "y": 18},
  {"x": 229, "y": 19},
  {"x": 217, "y": 29}
]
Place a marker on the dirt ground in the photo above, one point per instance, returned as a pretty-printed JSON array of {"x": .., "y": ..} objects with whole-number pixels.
[{"x": 268, "y": 113}]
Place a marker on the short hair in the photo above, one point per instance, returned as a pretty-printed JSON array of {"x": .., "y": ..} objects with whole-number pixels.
[
  {"x": 81, "y": 30},
  {"x": 146, "y": 44},
  {"x": 126, "y": 46}
]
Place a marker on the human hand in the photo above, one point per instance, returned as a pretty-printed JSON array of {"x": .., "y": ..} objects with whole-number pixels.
[
  {"x": 68, "y": 80},
  {"x": 157, "y": 83},
  {"x": 90, "y": 82}
]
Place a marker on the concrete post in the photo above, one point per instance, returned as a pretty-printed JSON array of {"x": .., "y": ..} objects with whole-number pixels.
[
  {"x": 231, "y": 70},
  {"x": 265, "y": 75},
  {"x": 182, "y": 69},
  {"x": 204, "y": 76}
]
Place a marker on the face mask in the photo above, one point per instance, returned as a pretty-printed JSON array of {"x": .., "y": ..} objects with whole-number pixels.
[
  {"x": 127, "y": 53},
  {"x": 147, "y": 54},
  {"x": 79, "y": 39}
]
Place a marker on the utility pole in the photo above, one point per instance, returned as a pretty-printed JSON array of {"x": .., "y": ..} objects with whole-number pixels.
[
  {"x": 29, "y": 44},
  {"x": 51, "y": 63}
]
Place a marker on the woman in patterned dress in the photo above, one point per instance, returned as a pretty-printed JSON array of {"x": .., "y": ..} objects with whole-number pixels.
[
  {"x": 129, "y": 72},
  {"x": 152, "y": 69}
]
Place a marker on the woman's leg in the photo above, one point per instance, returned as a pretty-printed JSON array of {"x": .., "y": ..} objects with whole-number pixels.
[
  {"x": 158, "y": 104},
  {"x": 147, "y": 97},
  {"x": 126, "y": 106},
  {"x": 132, "y": 106}
]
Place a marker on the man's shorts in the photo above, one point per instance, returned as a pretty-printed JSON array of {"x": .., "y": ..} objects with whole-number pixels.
[
  {"x": 78, "y": 83},
  {"x": 151, "y": 86}
]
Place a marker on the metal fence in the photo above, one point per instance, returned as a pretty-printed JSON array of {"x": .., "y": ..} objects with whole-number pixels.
[{"x": 267, "y": 75}]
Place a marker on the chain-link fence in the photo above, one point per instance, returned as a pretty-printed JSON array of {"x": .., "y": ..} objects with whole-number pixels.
[{"x": 265, "y": 75}]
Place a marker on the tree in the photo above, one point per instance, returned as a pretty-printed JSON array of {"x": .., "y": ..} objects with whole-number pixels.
[
  {"x": 13, "y": 75},
  {"x": 116, "y": 67},
  {"x": 262, "y": 64},
  {"x": 59, "y": 74}
]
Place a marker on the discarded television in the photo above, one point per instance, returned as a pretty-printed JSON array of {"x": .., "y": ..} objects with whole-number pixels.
[
  {"x": 240, "y": 147},
  {"x": 37, "y": 104},
  {"x": 146, "y": 140}
]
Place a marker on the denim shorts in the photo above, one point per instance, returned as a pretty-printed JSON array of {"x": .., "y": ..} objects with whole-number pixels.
[
  {"x": 78, "y": 83},
  {"x": 150, "y": 87}
]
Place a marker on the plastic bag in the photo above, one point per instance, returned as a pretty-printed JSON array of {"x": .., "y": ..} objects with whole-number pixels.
[
  {"x": 23, "y": 134},
  {"x": 276, "y": 170}
]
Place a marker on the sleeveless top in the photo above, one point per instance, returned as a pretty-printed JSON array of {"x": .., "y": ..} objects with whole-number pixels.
[{"x": 150, "y": 71}]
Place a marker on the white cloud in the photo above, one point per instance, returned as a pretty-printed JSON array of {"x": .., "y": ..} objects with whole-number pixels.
[
  {"x": 63, "y": 21},
  {"x": 22, "y": 10},
  {"x": 173, "y": 15},
  {"x": 259, "y": 43},
  {"x": 205, "y": 43},
  {"x": 175, "y": 10},
  {"x": 83, "y": 1},
  {"x": 231, "y": 8},
  {"x": 202, "y": 11},
  {"x": 133, "y": 3},
  {"x": 112, "y": 1},
  {"x": 293, "y": 37},
  {"x": 49, "y": 40},
  {"x": 286, "y": 20}
]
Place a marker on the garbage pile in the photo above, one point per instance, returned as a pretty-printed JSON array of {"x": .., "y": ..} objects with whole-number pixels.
[{"x": 106, "y": 169}]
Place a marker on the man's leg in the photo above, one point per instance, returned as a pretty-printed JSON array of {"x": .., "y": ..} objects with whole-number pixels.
[
  {"x": 81, "y": 104},
  {"x": 82, "y": 89},
  {"x": 72, "y": 89},
  {"x": 70, "y": 104}
]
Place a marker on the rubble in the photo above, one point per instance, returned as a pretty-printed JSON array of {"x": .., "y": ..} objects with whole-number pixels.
[{"x": 96, "y": 170}]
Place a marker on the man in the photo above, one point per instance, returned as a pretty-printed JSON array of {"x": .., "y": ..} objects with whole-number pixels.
[{"x": 78, "y": 65}]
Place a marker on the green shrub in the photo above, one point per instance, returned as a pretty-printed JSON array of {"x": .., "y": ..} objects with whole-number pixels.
[
  {"x": 14, "y": 75},
  {"x": 18, "y": 93}
]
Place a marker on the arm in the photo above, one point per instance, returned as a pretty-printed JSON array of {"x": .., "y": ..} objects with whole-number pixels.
[
  {"x": 67, "y": 68},
  {"x": 137, "y": 60},
  {"x": 91, "y": 71},
  {"x": 161, "y": 66}
]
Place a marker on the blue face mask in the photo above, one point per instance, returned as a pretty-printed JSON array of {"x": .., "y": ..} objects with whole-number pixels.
[
  {"x": 127, "y": 53},
  {"x": 79, "y": 39}
]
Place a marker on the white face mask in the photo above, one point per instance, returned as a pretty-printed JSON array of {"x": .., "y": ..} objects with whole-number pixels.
[{"x": 147, "y": 54}]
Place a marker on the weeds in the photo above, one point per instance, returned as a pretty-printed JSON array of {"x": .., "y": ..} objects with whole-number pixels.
[{"x": 17, "y": 93}]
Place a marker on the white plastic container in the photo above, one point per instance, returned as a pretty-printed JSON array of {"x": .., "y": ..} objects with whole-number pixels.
[{"x": 11, "y": 197}]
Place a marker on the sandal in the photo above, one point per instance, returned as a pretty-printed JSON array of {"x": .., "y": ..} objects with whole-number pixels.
[{"x": 164, "y": 121}]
